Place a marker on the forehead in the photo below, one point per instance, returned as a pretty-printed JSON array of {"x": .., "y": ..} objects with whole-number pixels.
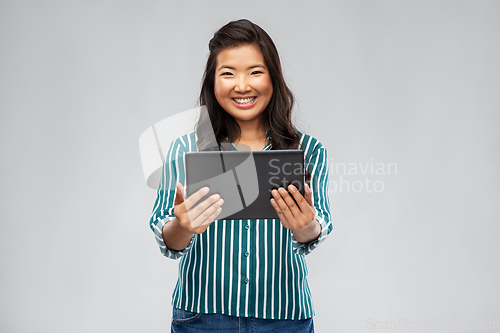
[{"x": 240, "y": 56}]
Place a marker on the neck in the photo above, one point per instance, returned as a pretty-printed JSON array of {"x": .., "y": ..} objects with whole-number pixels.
[{"x": 252, "y": 132}]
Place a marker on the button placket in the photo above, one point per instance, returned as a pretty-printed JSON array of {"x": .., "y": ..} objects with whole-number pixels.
[{"x": 246, "y": 253}]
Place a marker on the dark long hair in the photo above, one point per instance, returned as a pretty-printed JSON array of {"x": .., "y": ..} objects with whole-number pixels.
[{"x": 278, "y": 113}]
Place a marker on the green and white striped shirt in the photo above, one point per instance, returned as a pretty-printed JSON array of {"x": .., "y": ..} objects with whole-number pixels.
[{"x": 246, "y": 268}]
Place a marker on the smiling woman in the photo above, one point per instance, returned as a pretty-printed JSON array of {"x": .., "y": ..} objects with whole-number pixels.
[{"x": 243, "y": 273}]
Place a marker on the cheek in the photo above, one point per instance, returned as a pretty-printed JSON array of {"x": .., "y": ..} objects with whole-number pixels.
[
  {"x": 270, "y": 90},
  {"x": 267, "y": 87},
  {"x": 220, "y": 89}
]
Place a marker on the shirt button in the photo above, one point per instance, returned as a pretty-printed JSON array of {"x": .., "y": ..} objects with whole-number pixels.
[
  {"x": 246, "y": 280},
  {"x": 246, "y": 253},
  {"x": 247, "y": 227}
]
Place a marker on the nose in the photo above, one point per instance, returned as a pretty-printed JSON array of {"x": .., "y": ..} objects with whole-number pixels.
[{"x": 242, "y": 85}]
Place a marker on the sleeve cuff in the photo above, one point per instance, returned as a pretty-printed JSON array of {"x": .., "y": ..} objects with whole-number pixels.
[
  {"x": 157, "y": 228},
  {"x": 306, "y": 248}
]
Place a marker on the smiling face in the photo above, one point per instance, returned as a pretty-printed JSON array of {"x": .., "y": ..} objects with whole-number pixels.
[{"x": 243, "y": 85}]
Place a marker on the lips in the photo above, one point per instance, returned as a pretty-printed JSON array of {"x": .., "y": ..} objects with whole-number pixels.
[
  {"x": 245, "y": 103},
  {"x": 244, "y": 100}
]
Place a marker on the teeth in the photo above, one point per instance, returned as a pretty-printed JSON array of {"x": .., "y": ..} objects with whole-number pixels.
[{"x": 244, "y": 100}]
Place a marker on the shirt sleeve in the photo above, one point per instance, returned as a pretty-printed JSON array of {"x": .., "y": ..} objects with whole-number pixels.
[
  {"x": 163, "y": 210},
  {"x": 317, "y": 165}
]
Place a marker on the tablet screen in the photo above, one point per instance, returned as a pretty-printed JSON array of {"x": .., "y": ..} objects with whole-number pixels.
[{"x": 244, "y": 179}]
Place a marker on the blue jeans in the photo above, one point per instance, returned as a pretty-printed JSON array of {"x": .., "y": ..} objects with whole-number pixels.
[{"x": 187, "y": 322}]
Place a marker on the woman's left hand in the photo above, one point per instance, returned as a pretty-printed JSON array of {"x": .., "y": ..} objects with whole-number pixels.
[{"x": 294, "y": 217}]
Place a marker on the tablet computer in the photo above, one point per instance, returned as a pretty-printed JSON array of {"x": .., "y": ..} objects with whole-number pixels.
[{"x": 244, "y": 179}]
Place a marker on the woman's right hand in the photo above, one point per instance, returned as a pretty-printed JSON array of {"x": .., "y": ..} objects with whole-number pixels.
[{"x": 196, "y": 220}]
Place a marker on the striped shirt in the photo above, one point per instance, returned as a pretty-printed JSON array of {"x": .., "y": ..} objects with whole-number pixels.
[{"x": 246, "y": 268}]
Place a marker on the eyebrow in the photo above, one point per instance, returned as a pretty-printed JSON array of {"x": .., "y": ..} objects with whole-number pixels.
[{"x": 251, "y": 67}]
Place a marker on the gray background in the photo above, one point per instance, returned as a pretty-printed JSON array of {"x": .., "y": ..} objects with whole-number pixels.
[{"x": 414, "y": 83}]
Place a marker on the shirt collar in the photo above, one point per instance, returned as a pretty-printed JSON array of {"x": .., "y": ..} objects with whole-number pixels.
[{"x": 268, "y": 145}]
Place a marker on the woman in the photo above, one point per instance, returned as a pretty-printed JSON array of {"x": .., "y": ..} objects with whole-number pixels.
[{"x": 243, "y": 273}]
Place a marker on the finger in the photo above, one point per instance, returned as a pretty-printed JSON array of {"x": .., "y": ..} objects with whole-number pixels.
[
  {"x": 299, "y": 199},
  {"x": 201, "y": 229},
  {"x": 283, "y": 206},
  {"x": 308, "y": 195},
  {"x": 195, "y": 197},
  {"x": 179, "y": 194},
  {"x": 203, "y": 206},
  {"x": 211, "y": 218},
  {"x": 292, "y": 205},
  {"x": 281, "y": 216},
  {"x": 207, "y": 216}
]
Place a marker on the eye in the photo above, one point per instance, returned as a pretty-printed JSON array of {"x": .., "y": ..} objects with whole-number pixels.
[
  {"x": 257, "y": 72},
  {"x": 226, "y": 73}
]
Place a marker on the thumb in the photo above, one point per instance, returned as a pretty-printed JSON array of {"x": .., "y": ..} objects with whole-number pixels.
[{"x": 179, "y": 194}]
